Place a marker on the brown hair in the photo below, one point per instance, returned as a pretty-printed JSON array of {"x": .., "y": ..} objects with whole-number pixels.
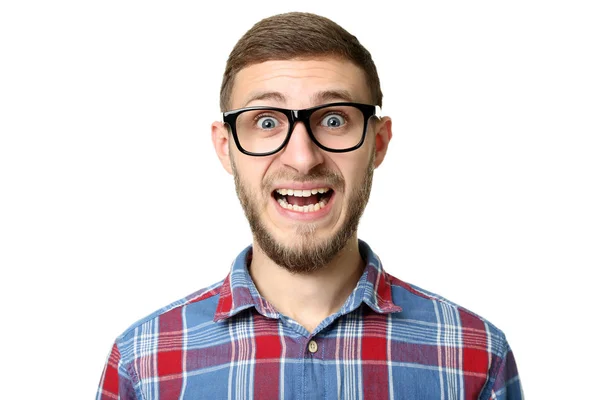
[{"x": 297, "y": 35}]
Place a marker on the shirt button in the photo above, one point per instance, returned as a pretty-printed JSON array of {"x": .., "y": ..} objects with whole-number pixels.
[{"x": 312, "y": 346}]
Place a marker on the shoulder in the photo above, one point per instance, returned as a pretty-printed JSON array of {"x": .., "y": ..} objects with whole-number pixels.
[
  {"x": 426, "y": 308},
  {"x": 449, "y": 335},
  {"x": 200, "y": 305}
]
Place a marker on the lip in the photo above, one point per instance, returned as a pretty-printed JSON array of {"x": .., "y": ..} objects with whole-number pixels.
[{"x": 304, "y": 216}]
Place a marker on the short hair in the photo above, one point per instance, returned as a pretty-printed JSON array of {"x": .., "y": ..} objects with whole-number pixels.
[{"x": 297, "y": 35}]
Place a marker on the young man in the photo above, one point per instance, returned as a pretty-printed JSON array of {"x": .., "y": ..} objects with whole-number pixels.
[{"x": 307, "y": 311}]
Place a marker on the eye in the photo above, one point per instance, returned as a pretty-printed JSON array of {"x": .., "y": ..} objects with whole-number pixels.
[
  {"x": 333, "y": 121},
  {"x": 267, "y": 123}
]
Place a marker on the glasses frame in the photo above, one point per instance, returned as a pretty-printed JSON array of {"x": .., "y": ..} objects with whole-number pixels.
[{"x": 293, "y": 116}]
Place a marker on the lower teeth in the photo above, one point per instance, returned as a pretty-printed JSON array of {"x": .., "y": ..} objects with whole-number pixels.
[{"x": 309, "y": 208}]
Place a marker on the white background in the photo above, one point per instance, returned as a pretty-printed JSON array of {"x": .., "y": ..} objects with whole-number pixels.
[{"x": 113, "y": 203}]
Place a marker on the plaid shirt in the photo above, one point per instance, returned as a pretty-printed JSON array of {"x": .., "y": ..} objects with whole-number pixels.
[{"x": 390, "y": 340}]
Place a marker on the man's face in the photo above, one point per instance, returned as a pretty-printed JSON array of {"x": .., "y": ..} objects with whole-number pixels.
[{"x": 298, "y": 240}]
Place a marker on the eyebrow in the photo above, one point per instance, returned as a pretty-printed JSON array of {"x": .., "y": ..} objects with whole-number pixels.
[
  {"x": 279, "y": 97},
  {"x": 332, "y": 95},
  {"x": 318, "y": 98}
]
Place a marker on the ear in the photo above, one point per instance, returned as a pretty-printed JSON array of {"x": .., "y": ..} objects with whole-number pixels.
[
  {"x": 220, "y": 139},
  {"x": 383, "y": 135}
]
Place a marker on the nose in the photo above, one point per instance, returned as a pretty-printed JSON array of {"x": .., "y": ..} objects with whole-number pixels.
[{"x": 301, "y": 153}]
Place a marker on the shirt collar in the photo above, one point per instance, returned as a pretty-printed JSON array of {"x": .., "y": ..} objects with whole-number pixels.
[{"x": 238, "y": 291}]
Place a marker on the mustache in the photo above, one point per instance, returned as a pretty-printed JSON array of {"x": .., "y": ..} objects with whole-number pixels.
[{"x": 331, "y": 178}]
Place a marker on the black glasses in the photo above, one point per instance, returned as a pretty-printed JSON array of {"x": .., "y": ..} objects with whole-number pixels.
[{"x": 335, "y": 127}]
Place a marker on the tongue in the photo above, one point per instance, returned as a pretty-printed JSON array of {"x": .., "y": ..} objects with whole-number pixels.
[{"x": 302, "y": 201}]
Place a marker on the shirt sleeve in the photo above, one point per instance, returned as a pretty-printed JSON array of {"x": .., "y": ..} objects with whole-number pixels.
[
  {"x": 506, "y": 385},
  {"x": 116, "y": 382}
]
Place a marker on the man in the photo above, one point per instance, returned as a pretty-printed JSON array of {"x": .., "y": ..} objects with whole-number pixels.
[{"x": 307, "y": 311}]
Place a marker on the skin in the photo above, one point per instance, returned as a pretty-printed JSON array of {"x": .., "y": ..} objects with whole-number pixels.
[{"x": 307, "y": 297}]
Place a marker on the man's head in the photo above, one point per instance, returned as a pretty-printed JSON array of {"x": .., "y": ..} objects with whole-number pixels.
[{"x": 303, "y": 201}]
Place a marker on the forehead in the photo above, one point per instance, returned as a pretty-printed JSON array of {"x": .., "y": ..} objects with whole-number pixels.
[{"x": 299, "y": 83}]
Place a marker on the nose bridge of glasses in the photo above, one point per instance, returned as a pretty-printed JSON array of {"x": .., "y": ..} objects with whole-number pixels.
[{"x": 298, "y": 116}]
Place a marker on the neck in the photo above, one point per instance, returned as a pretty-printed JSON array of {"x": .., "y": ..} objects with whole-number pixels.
[{"x": 312, "y": 297}]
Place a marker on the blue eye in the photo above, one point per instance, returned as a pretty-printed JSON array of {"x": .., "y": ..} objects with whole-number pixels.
[
  {"x": 267, "y": 123},
  {"x": 333, "y": 121}
]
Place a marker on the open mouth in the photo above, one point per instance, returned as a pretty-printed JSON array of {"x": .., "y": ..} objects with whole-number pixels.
[{"x": 308, "y": 200}]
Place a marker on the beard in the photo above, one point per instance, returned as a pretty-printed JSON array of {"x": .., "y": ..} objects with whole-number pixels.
[{"x": 310, "y": 253}]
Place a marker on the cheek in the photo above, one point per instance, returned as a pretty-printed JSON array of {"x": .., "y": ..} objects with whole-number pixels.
[
  {"x": 354, "y": 168},
  {"x": 252, "y": 171},
  {"x": 353, "y": 180}
]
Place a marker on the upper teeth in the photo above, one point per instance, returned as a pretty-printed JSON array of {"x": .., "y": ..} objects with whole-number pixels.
[{"x": 301, "y": 193}]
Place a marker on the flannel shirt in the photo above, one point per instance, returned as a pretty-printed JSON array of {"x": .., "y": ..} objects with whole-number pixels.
[{"x": 390, "y": 340}]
